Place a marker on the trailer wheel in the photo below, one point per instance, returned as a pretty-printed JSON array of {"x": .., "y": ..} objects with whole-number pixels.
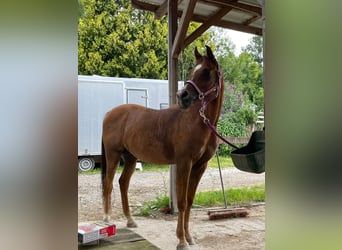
[{"x": 86, "y": 164}]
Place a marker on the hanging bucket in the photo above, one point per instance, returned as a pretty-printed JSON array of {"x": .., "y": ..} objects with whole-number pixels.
[{"x": 251, "y": 158}]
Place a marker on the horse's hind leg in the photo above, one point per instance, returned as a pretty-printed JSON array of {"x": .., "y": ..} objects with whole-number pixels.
[
  {"x": 124, "y": 180},
  {"x": 109, "y": 169}
]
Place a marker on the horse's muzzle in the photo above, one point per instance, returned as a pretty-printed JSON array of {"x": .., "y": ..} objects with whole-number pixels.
[{"x": 184, "y": 98}]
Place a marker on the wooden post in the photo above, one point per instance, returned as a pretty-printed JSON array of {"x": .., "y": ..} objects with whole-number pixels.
[{"x": 173, "y": 88}]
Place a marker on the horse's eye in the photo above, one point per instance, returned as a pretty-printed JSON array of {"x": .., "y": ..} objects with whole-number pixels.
[{"x": 206, "y": 74}]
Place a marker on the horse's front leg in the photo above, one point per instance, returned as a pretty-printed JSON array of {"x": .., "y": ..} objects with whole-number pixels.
[
  {"x": 182, "y": 181},
  {"x": 195, "y": 176}
]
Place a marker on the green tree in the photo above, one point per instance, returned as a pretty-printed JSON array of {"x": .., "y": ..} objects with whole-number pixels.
[
  {"x": 81, "y": 10},
  {"x": 250, "y": 77},
  {"x": 245, "y": 72},
  {"x": 255, "y": 85},
  {"x": 255, "y": 48},
  {"x": 116, "y": 40},
  {"x": 221, "y": 42},
  {"x": 243, "y": 76},
  {"x": 237, "y": 113}
]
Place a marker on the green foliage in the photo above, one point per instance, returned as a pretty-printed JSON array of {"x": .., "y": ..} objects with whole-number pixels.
[
  {"x": 227, "y": 128},
  {"x": 117, "y": 40},
  {"x": 237, "y": 112},
  {"x": 81, "y": 10},
  {"x": 154, "y": 167},
  {"x": 244, "y": 94},
  {"x": 234, "y": 196},
  {"x": 255, "y": 49},
  {"x": 225, "y": 162},
  {"x": 154, "y": 206}
]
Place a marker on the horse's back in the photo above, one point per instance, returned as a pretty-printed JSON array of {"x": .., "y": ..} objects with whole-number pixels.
[
  {"x": 135, "y": 110},
  {"x": 123, "y": 109}
]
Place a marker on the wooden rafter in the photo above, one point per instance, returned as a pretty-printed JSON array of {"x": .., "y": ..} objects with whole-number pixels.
[
  {"x": 240, "y": 27},
  {"x": 183, "y": 27},
  {"x": 162, "y": 10},
  {"x": 144, "y": 6},
  {"x": 245, "y": 26},
  {"x": 236, "y": 5},
  {"x": 230, "y": 25},
  {"x": 251, "y": 20},
  {"x": 212, "y": 20}
]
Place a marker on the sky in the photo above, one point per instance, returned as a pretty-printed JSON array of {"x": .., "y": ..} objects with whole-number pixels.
[{"x": 240, "y": 39}]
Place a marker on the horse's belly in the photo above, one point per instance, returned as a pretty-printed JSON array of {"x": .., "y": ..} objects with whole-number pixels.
[
  {"x": 153, "y": 156},
  {"x": 155, "y": 153}
]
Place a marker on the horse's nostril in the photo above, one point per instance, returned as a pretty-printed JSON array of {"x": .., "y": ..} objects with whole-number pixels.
[{"x": 184, "y": 94}]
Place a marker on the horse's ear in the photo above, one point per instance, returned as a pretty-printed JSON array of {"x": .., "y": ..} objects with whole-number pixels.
[
  {"x": 197, "y": 54},
  {"x": 210, "y": 54}
]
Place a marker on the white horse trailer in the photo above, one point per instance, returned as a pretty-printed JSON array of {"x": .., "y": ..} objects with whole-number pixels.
[{"x": 97, "y": 95}]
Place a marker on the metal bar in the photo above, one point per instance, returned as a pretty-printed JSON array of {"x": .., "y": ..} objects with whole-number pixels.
[{"x": 223, "y": 192}]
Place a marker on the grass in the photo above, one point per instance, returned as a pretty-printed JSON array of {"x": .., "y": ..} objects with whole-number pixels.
[
  {"x": 154, "y": 168},
  {"x": 224, "y": 161},
  {"x": 153, "y": 206},
  {"x": 235, "y": 196},
  {"x": 93, "y": 171}
]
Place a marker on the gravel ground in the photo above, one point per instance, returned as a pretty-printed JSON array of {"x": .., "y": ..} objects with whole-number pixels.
[{"x": 240, "y": 233}]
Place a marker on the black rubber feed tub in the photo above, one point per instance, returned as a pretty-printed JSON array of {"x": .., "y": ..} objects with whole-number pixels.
[{"x": 251, "y": 158}]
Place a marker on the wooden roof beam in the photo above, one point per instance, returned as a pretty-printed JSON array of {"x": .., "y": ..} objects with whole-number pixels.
[
  {"x": 161, "y": 11},
  {"x": 184, "y": 24},
  {"x": 236, "y": 5},
  {"x": 144, "y": 6},
  {"x": 240, "y": 27},
  {"x": 251, "y": 20},
  {"x": 212, "y": 20},
  {"x": 224, "y": 24},
  {"x": 230, "y": 25}
]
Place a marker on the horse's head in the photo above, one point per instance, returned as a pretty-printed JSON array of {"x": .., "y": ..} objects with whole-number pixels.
[{"x": 204, "y": 80}]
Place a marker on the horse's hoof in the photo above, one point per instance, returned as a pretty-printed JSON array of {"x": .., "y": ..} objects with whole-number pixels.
[
  {"x": 191, "y": 241},
  {"x": 183, "y": 247},
  {"x": 106, "y": 218},
  {"x": 132, "y": 224}
]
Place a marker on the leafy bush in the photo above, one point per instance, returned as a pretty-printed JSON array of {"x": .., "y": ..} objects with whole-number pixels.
[
  {"x": 237, "y": 113},
  {"x": 227, "y": 128}
]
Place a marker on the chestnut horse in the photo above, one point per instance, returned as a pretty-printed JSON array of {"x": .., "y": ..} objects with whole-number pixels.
[{"x": 178, "y": 135}]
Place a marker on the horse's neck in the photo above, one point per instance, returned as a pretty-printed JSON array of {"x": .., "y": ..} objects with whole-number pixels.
[{"x": 214, "y": 109}]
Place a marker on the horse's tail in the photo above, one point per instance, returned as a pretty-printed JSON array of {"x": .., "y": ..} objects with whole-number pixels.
[{"x": 103, "y": 164}]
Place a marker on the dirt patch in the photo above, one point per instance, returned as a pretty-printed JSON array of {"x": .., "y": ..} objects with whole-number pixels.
[{"x": 237, "y": 233}]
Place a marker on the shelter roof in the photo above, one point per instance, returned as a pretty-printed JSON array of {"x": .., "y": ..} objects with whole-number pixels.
[{"x": 241, "y": 15}]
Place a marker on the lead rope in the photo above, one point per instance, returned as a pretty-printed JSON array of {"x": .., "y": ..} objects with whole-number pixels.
[
  {"x": 211, "y": 127},
  {"x": 214, "y": 131}
]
